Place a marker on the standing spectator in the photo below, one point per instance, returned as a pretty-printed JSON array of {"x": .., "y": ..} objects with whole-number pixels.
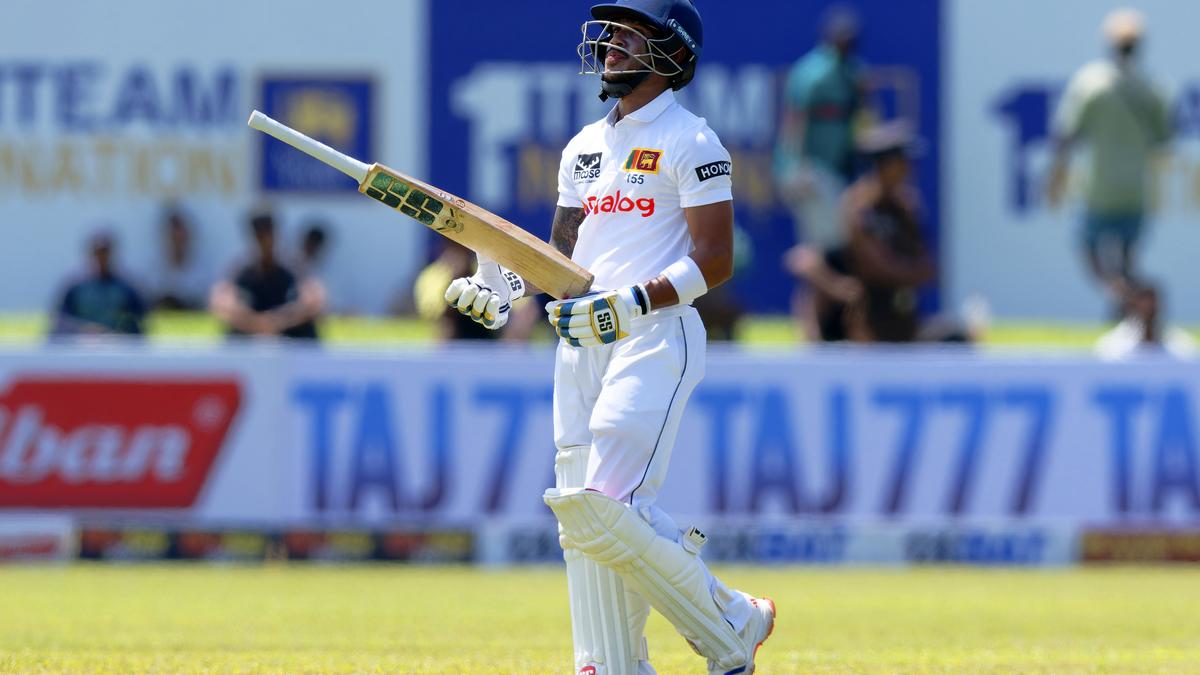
[
  {"x": 1142, "y": 330},
  {"x": 1113, "y": 108},
  {"x": 886, "y": 250},
  {"x": 265, "y": 296},
  {"x": 815, "y": 155},
  {"x": 181, "y": 282},
  {"x": 101, "y": 302}
]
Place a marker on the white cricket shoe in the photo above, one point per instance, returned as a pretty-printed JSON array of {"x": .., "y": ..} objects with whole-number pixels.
[{"x": 753, "y": 634}]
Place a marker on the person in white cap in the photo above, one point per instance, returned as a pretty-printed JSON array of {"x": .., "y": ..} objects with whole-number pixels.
[{"x": 1113, "y": 108}]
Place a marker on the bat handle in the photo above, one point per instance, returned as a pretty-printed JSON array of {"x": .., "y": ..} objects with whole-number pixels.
[{"x": 344, "y": 163}]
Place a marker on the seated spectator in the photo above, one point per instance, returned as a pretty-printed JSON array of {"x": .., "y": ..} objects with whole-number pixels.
[
  {"x": 181, "y": 281},
  {"x": 836, "y": 306},
  {"x": 1141, "y": 331},
  {"x": 101, "y": 302},
  {"x": 866, "y": 290},
  {"x": 265, "y": 296},
  {"x": 429, "y": 292},
  {"x": 886, "y": 251}
]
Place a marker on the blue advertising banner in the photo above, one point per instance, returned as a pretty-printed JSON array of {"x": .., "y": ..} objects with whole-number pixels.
[
  {"x": 814, "y": 457},
  {"x": 506, "y": 96},
  {"x": 863, "y": 438}
]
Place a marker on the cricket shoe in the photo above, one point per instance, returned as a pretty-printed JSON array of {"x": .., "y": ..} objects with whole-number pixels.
[{"x": 753, "y": 634}]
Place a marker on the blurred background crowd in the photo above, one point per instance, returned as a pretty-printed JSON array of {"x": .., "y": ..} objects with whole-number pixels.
[{"x": 859, "y": 256}]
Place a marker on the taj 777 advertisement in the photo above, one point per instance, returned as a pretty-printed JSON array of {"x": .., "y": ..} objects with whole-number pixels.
[{"x": 840, "y": 445}]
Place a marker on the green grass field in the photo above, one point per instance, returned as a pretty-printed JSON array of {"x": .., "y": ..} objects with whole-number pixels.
[{"x": 384, "y": 619}]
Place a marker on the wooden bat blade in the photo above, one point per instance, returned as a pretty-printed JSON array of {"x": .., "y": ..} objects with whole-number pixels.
[{"x": 479, "y": 230}]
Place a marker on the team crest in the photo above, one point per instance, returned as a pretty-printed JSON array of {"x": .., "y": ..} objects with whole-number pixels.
[{"x": 642, "y": 160}]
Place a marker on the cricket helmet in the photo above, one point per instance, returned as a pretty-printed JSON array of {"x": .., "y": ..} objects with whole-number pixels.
[{"x": 676, "y": 25}]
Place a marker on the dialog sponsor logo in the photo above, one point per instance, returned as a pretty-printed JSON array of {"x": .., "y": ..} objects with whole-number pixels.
[
  {"x": 619, "y": 203},
  {"x": 111, "y": 443}
]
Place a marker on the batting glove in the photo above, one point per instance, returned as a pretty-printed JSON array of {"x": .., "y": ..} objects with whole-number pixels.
[
  {"x": 600, "y": 318},
  {"x": 487, "y": 296}
]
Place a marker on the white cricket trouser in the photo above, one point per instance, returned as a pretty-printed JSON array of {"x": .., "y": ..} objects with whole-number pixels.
[{"x": 625, "y": 401}]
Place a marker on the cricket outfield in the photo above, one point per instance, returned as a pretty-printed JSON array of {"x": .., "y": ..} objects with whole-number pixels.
[{"x": 291, "y": 618}]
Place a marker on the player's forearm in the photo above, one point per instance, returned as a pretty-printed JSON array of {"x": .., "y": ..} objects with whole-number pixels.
[{"x": 564, "y": 231}]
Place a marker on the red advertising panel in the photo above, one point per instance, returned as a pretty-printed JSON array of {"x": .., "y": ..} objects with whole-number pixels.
[{"x": 102, "y": 442}]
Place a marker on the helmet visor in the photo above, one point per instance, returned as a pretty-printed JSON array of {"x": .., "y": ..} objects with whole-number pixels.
[{"x": 597, "y": 41}]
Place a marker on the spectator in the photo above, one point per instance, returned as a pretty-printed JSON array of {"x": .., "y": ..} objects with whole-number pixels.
[
  {"x": 181, "y": 281},
  {"x": 815, "y": 154},
  {"x": 885, "y": 249},
  {"x": 1141, "y": 331},
  {"x": 429, "y": 291},
  {"x": 836, "y": 307},
  {"x": 265, "y": 296},
  {"x": 102, "y": 302},
  {"x": 1112, "y": 107},
  {"x": 313, "y": 246}
]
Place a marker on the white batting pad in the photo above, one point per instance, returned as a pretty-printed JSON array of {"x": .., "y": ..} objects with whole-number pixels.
[
  {"x": 603, "y": 617},
  {"x": 672, "y": 579}
]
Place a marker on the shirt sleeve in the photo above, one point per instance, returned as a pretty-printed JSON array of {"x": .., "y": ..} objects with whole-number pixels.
[
  {"x": 797, "y": 88},
  {"x": 703, "y": 169},
  {"x": 1069, "y": 117},
  {"x": 568, "y": 197}
]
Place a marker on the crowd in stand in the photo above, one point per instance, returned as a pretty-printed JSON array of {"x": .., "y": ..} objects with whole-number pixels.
[{"x": 861, "y": 258}]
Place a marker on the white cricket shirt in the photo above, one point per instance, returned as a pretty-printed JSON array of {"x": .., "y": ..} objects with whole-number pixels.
[{"x": 634, "y": 178}]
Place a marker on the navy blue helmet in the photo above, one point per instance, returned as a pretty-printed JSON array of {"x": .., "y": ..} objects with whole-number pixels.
[{"x": 676, "y": 25}]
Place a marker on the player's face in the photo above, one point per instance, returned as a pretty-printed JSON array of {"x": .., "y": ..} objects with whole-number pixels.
[{"x": 631, "y": 41}]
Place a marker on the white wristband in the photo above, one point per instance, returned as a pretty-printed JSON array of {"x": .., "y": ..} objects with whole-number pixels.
[{"x": 685, "y": 275}]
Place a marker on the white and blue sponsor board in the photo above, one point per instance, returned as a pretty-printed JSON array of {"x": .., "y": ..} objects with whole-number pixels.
[
  {"x": 811, "y": 456},
  {"x": 858, "y": 437},
  {"x": 1005, "y": 66}
]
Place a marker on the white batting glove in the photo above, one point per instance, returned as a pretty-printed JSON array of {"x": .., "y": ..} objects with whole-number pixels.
[
  {"x": 486, "y": 296},
  {"x": 600, "y": 318}
]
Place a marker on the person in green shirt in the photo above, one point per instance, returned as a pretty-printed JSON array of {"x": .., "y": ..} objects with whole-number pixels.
[
  {"x": 815, "y": 155},
  {"x": 1112, "y": 108}
]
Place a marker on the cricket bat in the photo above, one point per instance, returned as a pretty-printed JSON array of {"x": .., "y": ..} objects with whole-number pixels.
[{"x": 478, "y": 229}]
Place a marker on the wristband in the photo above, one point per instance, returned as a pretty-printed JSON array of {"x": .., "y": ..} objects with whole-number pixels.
[{"x": 684, "y": 274}]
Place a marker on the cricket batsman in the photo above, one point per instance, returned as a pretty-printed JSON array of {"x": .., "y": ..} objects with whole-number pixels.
[{"x": 645, "y": 204}]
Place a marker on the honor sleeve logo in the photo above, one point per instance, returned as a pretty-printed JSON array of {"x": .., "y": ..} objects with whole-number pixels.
[
  {"x": 587, "y": 167},
  {"x": 713, "y": 170}
]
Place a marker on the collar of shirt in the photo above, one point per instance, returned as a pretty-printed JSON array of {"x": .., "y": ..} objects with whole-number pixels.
[{"x": 647, "y": 113}]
